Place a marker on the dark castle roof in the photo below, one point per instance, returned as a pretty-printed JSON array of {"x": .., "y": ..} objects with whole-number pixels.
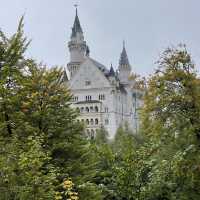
[
  {"x": 77, "y": 26},
  {"x": 111, "y": 72},
  {"x": 123, "y": 57}
]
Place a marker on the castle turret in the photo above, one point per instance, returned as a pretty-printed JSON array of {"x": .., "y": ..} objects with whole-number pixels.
[
  {"x": 124, "y": 67},
  {"x": 77, "y": 47}
]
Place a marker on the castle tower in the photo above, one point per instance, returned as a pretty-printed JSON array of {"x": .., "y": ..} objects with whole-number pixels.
[
  {"x": 77, "y": 47},
  {"x": 124, "y": 66}
]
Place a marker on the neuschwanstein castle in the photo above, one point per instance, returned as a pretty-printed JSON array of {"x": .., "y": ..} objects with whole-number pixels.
[{"x": 105, "y": 97}]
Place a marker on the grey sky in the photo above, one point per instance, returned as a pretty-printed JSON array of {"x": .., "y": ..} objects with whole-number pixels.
[{"x": 148, "y": 27}]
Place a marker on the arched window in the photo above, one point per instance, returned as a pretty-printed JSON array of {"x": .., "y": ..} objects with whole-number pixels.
[
  {"x": 96, "y": 121},
  {"x": 91, "y": 109},
  {"x": 92, "y": 122},
  {"x": 88, "y": 133},
  {"x": 82, "y": 109},
  {"x": 87, "y": 109},
  {"x": 92, "y": 134},
  {"x": 96, "y": 109},
  {"x": 87, "y": 121}
]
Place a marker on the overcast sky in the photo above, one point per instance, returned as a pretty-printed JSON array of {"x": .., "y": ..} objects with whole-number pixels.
[{"x": 147, "y": 26}]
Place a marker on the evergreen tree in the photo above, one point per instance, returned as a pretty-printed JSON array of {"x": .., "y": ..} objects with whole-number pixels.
[{"x": 22, "y": 156}]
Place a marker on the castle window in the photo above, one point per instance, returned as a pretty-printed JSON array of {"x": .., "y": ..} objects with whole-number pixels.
[
  {"x": 92, "y": 134},
  {"x": 75, "y": 98},
  {"x": 96, "y": 121},
  {"x": 91, "y": 109},
  {"x": 106, "y": 121},
  {"x": 106, "y": 109},
  {"x": 101, "y": 97},
  {"x": 87, "y": 121},
  {"x": 96, "y": 109},
  {"x": 87, "y": 83},
  {"x": 88, "y": 133},
  {"x": 92, "y": 122},
  {"x": 87, "y": 109},
  {"x": 82, "y": 109},
  {"x": 88, "y": 98}
]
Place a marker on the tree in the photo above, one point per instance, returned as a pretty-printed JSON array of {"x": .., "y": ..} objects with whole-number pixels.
[
  {"x": 170, "y": 122},
  {"x": 41, "y": 142},
  {"x": 22, "y": 155},
  {"x": 164, "y": 163},
  {"x": 101, "y": 136}
]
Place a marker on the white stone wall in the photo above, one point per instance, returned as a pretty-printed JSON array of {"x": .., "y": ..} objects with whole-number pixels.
[
  {"x": 106, "y": 111},
  {"x": 116, "y": 106}
]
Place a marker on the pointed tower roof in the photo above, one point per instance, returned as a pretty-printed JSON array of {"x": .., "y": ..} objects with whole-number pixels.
[
  {"x": 124, "y": 58},
  {"x": 77, "y": 26},
  {"x": 111, "y": 72}
]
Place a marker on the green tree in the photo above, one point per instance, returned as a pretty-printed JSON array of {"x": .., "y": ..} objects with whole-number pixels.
[
  {"x": 22, "y": 157},
  {"x": 170, "y": 122},
  {"x": 101, "y": 136},
  {"x": 164, "y": 162},
  {"x": 41, "y": 142}
]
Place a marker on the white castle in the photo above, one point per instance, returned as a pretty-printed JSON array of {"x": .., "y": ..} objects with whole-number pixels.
[{"x": 104, "y": 97}]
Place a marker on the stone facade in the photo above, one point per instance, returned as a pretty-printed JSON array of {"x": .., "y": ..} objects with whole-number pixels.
[{"x": 103, "y": 96}]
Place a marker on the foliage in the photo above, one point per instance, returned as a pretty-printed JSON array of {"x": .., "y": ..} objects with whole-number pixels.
[
  {"x": 164, "y": 163},
  {"x": 171, "y": 116},
  {"x": 41, "y": 142}
]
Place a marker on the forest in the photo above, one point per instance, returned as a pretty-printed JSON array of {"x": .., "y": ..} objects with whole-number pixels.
[{"x": 45, "y": 155}]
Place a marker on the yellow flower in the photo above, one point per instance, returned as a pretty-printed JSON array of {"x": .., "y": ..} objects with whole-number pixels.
[
  {"x": 74, "y": 197},
  {"x": 67, "y": 184},
  {"x": 58, "y": 197}
]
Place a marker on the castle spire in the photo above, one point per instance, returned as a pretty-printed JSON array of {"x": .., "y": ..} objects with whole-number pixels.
[
  {"x": 123, "y": 57},
  {"x": 111, "y": 72},
  {"x": 124, "y": 66},
  {"x": 77, "y": 46},
  {"x": 77, "y": 26}
]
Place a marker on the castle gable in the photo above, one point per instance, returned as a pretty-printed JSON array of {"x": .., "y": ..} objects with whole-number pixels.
[{"x": 90, "y": 75}]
